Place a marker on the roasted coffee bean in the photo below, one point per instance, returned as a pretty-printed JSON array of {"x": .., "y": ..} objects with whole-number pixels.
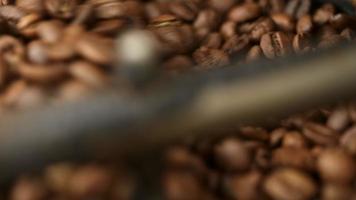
[
  {"x": 221, "y": 5},
  {"x": 261, "y": 27},
  {"x": 348, "y": 140},
  {"x": 50, "y": 31},
  {"x": 275, "y": 44},
  {"x": 293, "y": 157},
  {"x": 61, "y": 8},
  {"x": 95, "y": 48},
  {"x": 228, "y": 29},
  {"x": 244, "y": 186},
  {"x": 27, "y": 25},
  {"x": 283, "y": 21},
  {"x": 254, "y": 133},
  {"x": 31, "y": 5},
  {"x": 244, "y": 12},
  {"x": 11, "y": 49},
  {"x": 290, "y": 184},
  {"x": 41, "y": 73},
  {"x": 236, "y": 44},
  {"x": 341, "y": 21},
  {"x": 88, "y": 73},
  {"x": 324, "y": 14},
  {"x": 339, "y": 119},
  {"x": 304, "y": 24},
  {"x": 232, "y": 155},
  {"x": 11, "y": 14},
  {"x": 298, "y": 8},
  {"x": 331, "y": 191},
  {"x": 336, "y": 166},
  {"x": 294, "y": 139},
  {"x": 109, "y": 27},
  {"x": 28, "y": 188},
  {"x": 320, "y": 134},
  {"x": 254, "y": 53},
  {"x": 206, "y": 21},
  {"x": 210, "y": 58},
  {"x": 37, "y": 52},
  {"x": 301, "y": 43},
  {"x": 182, "y": 11},
  {"x": 214, "y": 41}
]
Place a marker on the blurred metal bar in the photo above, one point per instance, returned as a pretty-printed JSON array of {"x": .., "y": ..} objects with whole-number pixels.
[{"x": 117, "y": 124}]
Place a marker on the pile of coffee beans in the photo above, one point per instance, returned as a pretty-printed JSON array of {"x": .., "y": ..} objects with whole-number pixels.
[
  {"x": 54, "y": 50},
  {"x": 307, "y": 156}
]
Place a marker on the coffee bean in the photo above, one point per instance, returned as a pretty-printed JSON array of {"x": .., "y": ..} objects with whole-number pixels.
[
  {"x": 301, "y": 44},
  {"x": 334, "y": 165},
  {"x": 206, "y": 21},
  {"x": 244, "y": 12},
  {"x": 298, "y": 8},
  {"x": 341, "y": 21},
  {"x": 293, "y": 157},
  {"x": 30, "y": 5},
  {"x": 339, "y": 119},
  {"x": 290, "y": 184},
  {"x": 320, "y": 134},
  {"x": 275, "y": 44},
  {"x": 221, "y": 5},
  {"x": 348, "y": 140},
  {"x": 88, "y": 73},
  {"x": 61, "y": 8},
  {"x": 213, "y": 41},
  {"x": 232, "y": 155},
  {"x": 236, "y": 44},
  {"x": 210, "y": 58},
  {"x": 304, "y": 24},
  {"x": 182, "y": 11},
  {"x": 283, "y": 21},
  {"x": 50, "y": 31},
  {"x": 331, "y": 191},
  {"x": 261, "y": 27},
  {"x": 228, "y": 29},
  {"x": 109, "y": 27},
  {"x": 244, "y": 186},
  {"x": 324, "y": 14},
  {"x": 294, "y": 139},
  {"x": 254, "y": 53},
  {"x": 95, "y": 48}
]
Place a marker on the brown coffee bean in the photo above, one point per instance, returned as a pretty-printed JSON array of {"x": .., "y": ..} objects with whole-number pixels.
[
  {"x": 336, "y": 166},
  {"x": 57, "y": 176},
  {"x": 116, "y": 9},
  {"x": 276, "y": 136},
  {"x": 254, "y": 53},
  {"x": 324, "y": 14},
  {"x": 221, "y": 5},
  {"x": 301, "y": 44},
  {"x": 304, "y": 24},
  {"x": 11, "y": 14},
  {"x": 244, "y": 12},
  {"x": 283, "y": 21},
  {"x": 90, "y": 181},
  {"x": 29, "y": 189},
  {"x": 245, "y": 186},
  {"x": 232, "y": 155},
  {"x": 275, "y": 44},
  {"x": 11, "y": 49},
  {"x": 294, "y": 139},
  {"x": 276, "y": 6},
  {"x": 208, "y": 20},
  {"x": 84, "y": 14},
  {"x": 178, "y": 64},
  {"x": 41, "y": 73},
  {"x": 261, "y": 27},
  {"x": 236, "y": 44},
  {"x": 293, "y": 157},
  {"x": 88, "y": 73},
  {"x": 181, "y": 158},
  {"x": 320, "y": 134},
  {"x": 95, "y": 48},
  {"x": 348, "y": 140},
  {"x": 255, "y": 133},
  {"x": 109, "y": 27},
  {"x": 213, "y": 41},
  {"x": 290, "y": 184},
  {"x": 27, "y": 25},
  {"x": 182, "y": 11},
  {"x": 210, "y": 58},
  {"x": 339, "y": 119},
  {"x": 332, "y": 191},
  {"x": 298, "y": 8},
  {"x": 31, "y": 5},
  {"x": 50, "y": 31},
  {"x": 61, "y": 8},
  {"x": 228, "y": 29},
  {"x": 182, "y": 185},
  {"x": 155, "y": 9}
]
